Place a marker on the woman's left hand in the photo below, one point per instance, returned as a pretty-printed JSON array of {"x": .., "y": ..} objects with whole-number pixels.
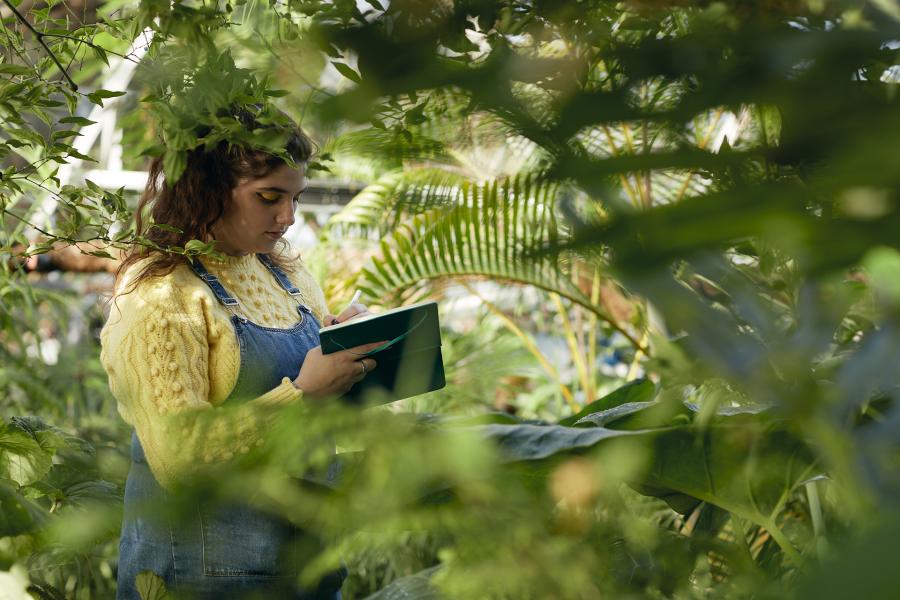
[{"x": 354, "y": 311}]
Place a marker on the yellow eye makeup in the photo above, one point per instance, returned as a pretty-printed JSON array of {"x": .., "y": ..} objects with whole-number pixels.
[{"x": 268, "y": 196}]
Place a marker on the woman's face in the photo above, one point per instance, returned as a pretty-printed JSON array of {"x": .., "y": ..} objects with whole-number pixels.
[{"x": 260, "y": 212}]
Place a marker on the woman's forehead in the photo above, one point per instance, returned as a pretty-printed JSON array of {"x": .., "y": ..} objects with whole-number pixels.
[{"x": 283, "y": 177}]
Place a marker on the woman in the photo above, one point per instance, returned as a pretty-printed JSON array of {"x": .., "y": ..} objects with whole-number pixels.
[{"x": 186, "y": 337}]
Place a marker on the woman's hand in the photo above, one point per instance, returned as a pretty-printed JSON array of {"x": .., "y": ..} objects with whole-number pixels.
[
  {"x": 324, "y": 375},
  {"x": 354, "y": 311}
]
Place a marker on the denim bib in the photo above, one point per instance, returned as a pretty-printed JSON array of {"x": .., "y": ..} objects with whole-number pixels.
[{"x": 227, "y": 551}]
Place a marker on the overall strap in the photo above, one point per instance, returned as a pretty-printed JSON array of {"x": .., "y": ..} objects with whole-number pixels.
[
  {"x": 213, "y": 282},
  {"x": 279, "y": 275}
]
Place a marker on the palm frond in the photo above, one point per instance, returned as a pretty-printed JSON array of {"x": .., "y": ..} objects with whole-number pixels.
[
  {"x": 381, "y": 206},
  {"x": 497, "y": 230}
]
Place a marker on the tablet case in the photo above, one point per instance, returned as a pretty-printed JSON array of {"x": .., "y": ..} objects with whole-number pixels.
[{"x": 408, "y": 364}]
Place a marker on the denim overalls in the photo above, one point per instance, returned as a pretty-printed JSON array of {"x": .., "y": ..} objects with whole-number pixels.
[{"x": 224, "y": 552}]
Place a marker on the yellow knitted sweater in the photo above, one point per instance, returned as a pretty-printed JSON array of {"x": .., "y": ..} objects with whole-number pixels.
[{"x": 172, "y": 356}]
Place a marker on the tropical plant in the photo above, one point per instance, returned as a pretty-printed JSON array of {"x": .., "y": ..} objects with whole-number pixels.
[{"x": 714, "y": 166}]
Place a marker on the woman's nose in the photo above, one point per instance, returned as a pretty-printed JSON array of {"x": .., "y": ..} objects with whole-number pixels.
[{"x": 286, "y": 214}]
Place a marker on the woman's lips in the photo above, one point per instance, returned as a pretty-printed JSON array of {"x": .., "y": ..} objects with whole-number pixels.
[{"x": 275, "y": 235}]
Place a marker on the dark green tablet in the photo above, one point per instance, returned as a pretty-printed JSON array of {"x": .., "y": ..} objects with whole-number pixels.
[{"x": 409, "y": 363}]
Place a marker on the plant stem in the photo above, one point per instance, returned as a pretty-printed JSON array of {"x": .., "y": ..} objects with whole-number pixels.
[
  {"x": 784, "y": 543},
  {"x": 818, "y": 523},
  {"x": 40, "y": 38},
  {"x": 636, "y": 361},
  {"x": 740, "y": 533},
  {"x": 529, "y": 344},
  {"x": 572, "y": 342},
  {"x": 592, "y": 327}
]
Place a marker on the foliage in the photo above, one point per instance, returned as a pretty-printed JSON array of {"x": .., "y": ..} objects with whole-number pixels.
[{"x": 702, "y": 181}]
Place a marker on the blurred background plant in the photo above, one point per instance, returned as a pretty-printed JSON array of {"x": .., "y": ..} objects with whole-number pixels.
[{"x": 663, "y": 237}]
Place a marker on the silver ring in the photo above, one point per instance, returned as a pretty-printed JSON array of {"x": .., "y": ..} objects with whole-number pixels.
[{"x": 365, "y": 369}]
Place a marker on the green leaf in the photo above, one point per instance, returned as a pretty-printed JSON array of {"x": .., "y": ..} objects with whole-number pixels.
[
  {"x": 18, "y": 515},
  {"x": 375, "y": 4},
  {"x": 416, "y": 115},
  {"x": 640, "y": 390},
  {"x": 50, "y": 437},
  {"x": 9, "y": 69},
  {"x": 76, "y": 154},
  {"x": 101, "y": 54},
  {"x": 174, "y": 164},
  {"x": 77, "y": 120},
  {"x": 63, "y": 133},
  {"x": 21, "y": 457},
  {"x": 347, "y": 72},
  {"x": 745, "y": 467},
  {"x": 167, "y": 227},
  {"x": 418, "y": 586},
  {"x": 151, "y": 586},
  {"x": 98, "y": 96},
  {"x": 606, "y": 417}
]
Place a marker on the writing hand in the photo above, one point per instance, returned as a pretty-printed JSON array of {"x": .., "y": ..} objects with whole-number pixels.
[{"x": 323, "y": 375}]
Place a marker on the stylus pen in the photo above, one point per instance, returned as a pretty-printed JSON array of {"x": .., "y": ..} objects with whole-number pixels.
[{"x": 355, "y": 298}]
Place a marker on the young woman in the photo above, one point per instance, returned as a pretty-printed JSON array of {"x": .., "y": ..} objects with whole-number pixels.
[{"x": 201, "y": 354}]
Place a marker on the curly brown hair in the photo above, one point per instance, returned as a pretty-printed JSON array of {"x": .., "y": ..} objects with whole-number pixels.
[{"x": 192, "y": 205}]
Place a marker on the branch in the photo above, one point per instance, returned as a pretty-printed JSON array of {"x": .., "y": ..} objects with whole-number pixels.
[
  {"x": 89, "y": 44},
  {"x": 40, "y": 38}
]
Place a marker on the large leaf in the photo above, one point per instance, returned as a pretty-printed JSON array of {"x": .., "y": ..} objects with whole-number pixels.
[
  {"x": 151, "y": 586},
  {"x": 18, "y": 515},
  {"x": 746, "y": 468},
  {"x": 382, "y": 205},
  {"x": 496, "y": 229},
  {"x": 413, "y": 587},
  {"x": 862, "y": 568},
  {"x": 640, "y": 390},
  {"x": 22, "y": 459},
  {"x": 50, "y": 437}
]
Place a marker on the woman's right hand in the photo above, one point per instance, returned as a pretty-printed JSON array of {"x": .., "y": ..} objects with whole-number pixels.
[{"x": 333, "y": 374}]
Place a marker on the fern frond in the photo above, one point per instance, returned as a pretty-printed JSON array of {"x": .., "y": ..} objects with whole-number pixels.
[
  {"x": 497, "y": 230},
  {"x": 383, "y": 205}
]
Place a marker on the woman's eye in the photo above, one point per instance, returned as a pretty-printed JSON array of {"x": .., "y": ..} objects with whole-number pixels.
[{"x": 268, "y": 196}]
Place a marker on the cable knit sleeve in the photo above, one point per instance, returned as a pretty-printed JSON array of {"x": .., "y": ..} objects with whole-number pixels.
[{"x": 156, "y": 352}]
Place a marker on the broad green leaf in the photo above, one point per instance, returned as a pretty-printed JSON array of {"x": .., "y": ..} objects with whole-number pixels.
[
  {"x": 641, "y": 390},
  {"x": 9, "y": 69},
  {"x": 98, "y": 96},
  {"x": 606, "y": 417},
  {"x": 746, "y": 468},
  {"x": 151, "y": 586},
  {"x": 18, "y": 515},
  {"x": 863, "y": 567},
  {"x": 77, "y": 120},
  {"x": 21, "y": 457},
  {"x": 51, "y": 438},
  {"x": 174, "y": 164},
  {"x": 535, "y": 442},
  {"x": 347, "y": 72},
  {"x": 416, "y": 586}
]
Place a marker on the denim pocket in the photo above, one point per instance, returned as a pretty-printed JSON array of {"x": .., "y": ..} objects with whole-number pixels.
[{"x": 239, "y": 541}]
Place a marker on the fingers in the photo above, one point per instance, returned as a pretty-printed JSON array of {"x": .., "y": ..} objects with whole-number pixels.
[
  {"x": 353, "y": 311},
  {"x": 356, "y": 351},
  {"x": 360, "y": 315},
  {"x": 363, "y": 367}
]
